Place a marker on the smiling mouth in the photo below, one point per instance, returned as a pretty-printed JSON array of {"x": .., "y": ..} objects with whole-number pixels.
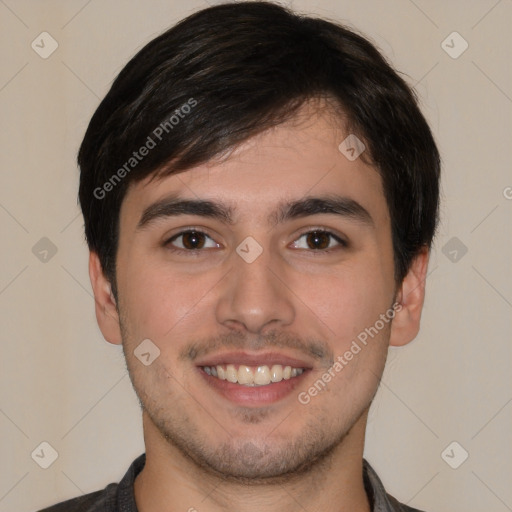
[{"x": 253, "y": 376}]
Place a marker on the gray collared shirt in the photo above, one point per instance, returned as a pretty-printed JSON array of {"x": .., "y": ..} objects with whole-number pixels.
[{"x": 121, "y": 498}]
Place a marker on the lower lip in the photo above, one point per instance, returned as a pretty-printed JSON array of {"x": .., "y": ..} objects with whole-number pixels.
[{"x": 253, "y": 395}]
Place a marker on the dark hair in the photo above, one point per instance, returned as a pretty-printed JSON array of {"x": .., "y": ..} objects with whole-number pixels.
[{"x": 231, "y": 71}]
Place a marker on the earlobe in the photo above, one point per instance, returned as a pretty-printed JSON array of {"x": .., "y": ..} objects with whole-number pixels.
[
  {"x": 410, "y": 297},
  {"x": 105, "y": 304}
]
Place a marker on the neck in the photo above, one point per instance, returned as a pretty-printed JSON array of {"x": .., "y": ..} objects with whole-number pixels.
[{"x": 171, "y": 482}]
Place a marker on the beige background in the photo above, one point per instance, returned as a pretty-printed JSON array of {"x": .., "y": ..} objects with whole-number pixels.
[{"x": 63, "y": 384}]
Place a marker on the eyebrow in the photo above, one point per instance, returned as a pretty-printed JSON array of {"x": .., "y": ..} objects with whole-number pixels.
[{"x": 174, "y": 206}]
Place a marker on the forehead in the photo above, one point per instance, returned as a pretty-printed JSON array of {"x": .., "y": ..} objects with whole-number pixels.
[{"x": 297, "y": 159}]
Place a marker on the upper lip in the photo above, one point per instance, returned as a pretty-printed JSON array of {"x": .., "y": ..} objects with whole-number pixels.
[{"x": 254, "y": 359}]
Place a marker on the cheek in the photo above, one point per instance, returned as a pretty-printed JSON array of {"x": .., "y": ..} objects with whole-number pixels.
[
  {"x": 348, "y": 300},
  {"x": 158, "y": 302},
  {"x": 351, "y": 305}
]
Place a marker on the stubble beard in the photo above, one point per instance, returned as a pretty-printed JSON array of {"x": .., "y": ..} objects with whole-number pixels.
[{"x": 269, "y": 459}]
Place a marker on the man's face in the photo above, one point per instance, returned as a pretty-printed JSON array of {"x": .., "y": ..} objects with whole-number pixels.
[{"x": 209, "y": 299}]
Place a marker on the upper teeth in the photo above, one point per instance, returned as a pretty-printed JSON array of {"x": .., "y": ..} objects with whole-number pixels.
[{"x": 253, "y": 376}]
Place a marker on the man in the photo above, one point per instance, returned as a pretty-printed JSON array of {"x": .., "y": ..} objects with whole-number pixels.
[{"x": 260, "y": 194}]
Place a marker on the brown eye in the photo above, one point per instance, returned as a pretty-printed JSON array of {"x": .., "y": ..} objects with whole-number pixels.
[
  {"x": 191, "y": 240},
  {"x": 320, "y": 240}
]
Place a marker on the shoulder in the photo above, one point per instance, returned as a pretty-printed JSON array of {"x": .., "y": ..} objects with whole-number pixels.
[
  {"x": 98, "y": 501},
  {"x": 380, "y": 500},
  {"x": 108, "y": 499}
]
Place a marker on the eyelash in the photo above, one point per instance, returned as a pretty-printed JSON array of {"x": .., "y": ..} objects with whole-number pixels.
[{"x": 342, "y": 243}]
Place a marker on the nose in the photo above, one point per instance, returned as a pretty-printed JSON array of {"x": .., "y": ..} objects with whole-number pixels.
[{"x": 255, "y": 295}]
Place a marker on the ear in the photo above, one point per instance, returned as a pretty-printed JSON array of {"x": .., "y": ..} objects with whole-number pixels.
[
  {"x": 410, "y": 297},
  {"x": 106, "y": 311}
]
